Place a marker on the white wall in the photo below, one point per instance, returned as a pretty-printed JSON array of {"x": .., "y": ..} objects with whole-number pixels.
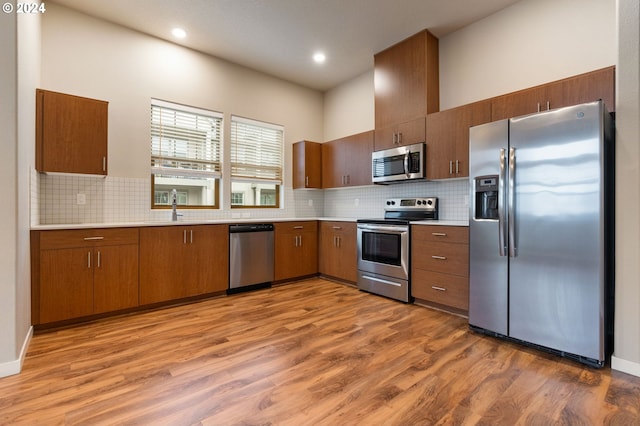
[
  {"x": 19, "y": 42},
  {"x": 8, "y": 174},
  {"x": 89, "y": 57},
  {"x": 529, "y": 43},
  {"x": 627, "y": 324},
  {"x": 348, "y": 108}
]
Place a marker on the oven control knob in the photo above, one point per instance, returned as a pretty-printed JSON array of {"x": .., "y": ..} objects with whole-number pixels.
[
  {"x": 429, "y": 202},
  {"x": 388, "y": 203},
  {"x": 419, "y": 202}
]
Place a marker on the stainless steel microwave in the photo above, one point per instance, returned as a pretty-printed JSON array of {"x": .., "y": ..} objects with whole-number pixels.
[{"x": 401, "y": 164}]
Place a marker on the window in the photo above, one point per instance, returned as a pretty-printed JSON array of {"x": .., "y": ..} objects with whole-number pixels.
[
  {"x": 237, "y": 198},
  {"x": 256, "y": 162},
  {"x": 185, "y": 155}
]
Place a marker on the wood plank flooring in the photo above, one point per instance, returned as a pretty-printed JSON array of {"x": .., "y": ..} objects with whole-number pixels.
[{"x": 308, "y": 353}]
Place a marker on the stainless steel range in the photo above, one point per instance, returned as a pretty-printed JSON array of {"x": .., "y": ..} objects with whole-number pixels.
[{"x": 384, "y": 246}]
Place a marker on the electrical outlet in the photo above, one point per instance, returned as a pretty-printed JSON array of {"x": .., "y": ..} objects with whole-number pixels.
[
  {"x": 356, "y": 202},
  {"x": 310, "y": 203},
  {"x": 81, "y": 199}
]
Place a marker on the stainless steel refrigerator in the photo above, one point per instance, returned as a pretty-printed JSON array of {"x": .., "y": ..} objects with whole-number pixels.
[{"x": 541, "y": 230}]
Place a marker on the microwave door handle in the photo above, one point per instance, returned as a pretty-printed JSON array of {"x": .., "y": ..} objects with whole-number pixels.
[{"x": 407, "y": 158}]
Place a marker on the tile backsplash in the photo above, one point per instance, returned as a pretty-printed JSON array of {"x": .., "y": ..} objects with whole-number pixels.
[{"x": 54, "y": 200}]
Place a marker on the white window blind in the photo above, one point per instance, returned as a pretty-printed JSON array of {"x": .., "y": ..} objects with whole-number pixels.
[
  {"x": 185, "y": 141},
  {"x": 256, "y": 150}
]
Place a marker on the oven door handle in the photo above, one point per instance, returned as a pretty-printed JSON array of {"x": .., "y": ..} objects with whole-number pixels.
[{"x": 382, "y": 228}]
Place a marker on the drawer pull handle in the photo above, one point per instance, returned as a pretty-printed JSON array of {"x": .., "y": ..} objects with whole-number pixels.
[
  {"x": 337, "y": 227},
  {"x": 438, "y": 288},
  {"x": 438, "y": 234},
  {"x": 298, "y": 227},
  {"x": 439, "y": 257},
  {"x": 93, "y": 238}
]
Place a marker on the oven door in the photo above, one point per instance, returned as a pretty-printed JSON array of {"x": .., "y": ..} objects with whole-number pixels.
[{"x": 384, "y": 250}]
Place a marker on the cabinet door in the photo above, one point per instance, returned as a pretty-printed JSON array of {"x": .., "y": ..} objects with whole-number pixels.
[
  {"x": 182, "y": 261},
  {"x": 338, "y": 255},
  {"x": 307, "y": 165},
  {"x": 333, "y": 164},
  {"x": 358, "y": 153},
  {"x": 71, "y": 134},
  {"x": 442, "y": 132},
  {"x": 406, "y": 133},
  {"x": 208, "y": 260},
  {"x": 406, "y": 83},
  {"x": 519, "y": 103},
  {"x": 583, "y": 88},
  {"x": 115, "y": 278},
  {"x": 66, "y": 284},
  {"x": 163, "y": 261},
  {"x": 296, "y": 250},
  {"x": 448, "y": 139},
  {"x": 347, "y": 161}
]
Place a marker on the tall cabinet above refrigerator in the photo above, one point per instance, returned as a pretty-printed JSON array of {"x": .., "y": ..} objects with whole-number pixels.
[{"x": 541, "y": 230}]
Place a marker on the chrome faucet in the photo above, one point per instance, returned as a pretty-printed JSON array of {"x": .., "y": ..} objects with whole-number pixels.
[{"x": 174, "y": 206}]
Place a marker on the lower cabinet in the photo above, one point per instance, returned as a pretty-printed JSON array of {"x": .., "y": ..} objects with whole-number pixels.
[
  {"x": 296, "y": 249},
  {"x": 440, "y": 265},
  {"x": 178, "y": 262},
  {"x": 338, "y": 250},
  {"x": 77, "y": 273}
]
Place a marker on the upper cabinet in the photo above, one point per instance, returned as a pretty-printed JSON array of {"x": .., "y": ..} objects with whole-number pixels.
[
  {"x": 406, "y": 86},
  {"x": 588, "y": 87},
  {"x": 307, "y": 165},
  {"x": 448, "y": 139},
  {"x": 347, "y": 161},
  {"x": 71, "y": 134}
]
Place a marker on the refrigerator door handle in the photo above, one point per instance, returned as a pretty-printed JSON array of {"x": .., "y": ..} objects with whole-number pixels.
[
  {"x": 501, "y": 195},
  {"x": 511, "y": 207}
]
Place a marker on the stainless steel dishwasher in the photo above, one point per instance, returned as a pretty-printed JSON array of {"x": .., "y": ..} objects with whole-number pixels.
[{"x": 251, "y": 261}]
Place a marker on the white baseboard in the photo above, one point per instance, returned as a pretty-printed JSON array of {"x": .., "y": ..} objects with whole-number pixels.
[
  {"x": 14, "y": 367},
  {"x": 625, "y": 366}
]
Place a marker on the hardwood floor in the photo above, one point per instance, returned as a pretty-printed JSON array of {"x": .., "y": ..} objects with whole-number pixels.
[{"x": 307, "y": 353}]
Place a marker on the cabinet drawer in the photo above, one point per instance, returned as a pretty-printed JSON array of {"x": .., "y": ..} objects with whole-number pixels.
[
  {"x": 338, "y": 228},
  {"x": 449, "y": 290},
  {"x": 296, "y": 227},
  {"x": 441, "y": 257},
  {"x": 87, "y": 238},
  {"x": 448, "y": 234}
]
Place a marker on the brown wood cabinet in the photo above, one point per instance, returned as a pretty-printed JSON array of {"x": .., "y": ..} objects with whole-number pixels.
[
  {"x": 448, "y": 139},
  {"x": 71, "y": 133},
  {"x": 178, "y": 262},
  {"x": 406, "y": 87},
  {"x": 347, "y": 161},
  {"x": 296, "y": 249},
  {"x": 407, "y": 133},
  {"x": 338, "y": 250},
  {"x": 588, "y": 87},
  {"x": 77, "y": 273},
  {"x": 307, "y": 165},
  {"x": 440, "y": 266}
]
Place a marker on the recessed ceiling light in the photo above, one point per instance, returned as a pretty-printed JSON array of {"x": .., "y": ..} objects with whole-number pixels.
[
  {"x": 179, "y": 33},
  {"x": 319, "y": 57}
]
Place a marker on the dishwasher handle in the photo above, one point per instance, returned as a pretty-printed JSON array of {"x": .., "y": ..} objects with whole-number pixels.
[{"x": 251, "y": 227}]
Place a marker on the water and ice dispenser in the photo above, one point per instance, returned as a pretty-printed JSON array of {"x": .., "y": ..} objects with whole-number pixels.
[{"x": 486, "y": 197}]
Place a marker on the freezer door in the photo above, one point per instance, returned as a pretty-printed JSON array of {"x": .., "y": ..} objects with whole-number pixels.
[
  {"x": 488, "y": 263},
  {"x": 557, "y": 275}
]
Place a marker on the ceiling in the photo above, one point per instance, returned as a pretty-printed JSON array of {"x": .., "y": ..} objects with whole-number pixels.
[{"x": 279, "y": 37}]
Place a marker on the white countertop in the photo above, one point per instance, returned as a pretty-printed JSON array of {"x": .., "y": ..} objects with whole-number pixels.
[{"x": 222, "y": 221}]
